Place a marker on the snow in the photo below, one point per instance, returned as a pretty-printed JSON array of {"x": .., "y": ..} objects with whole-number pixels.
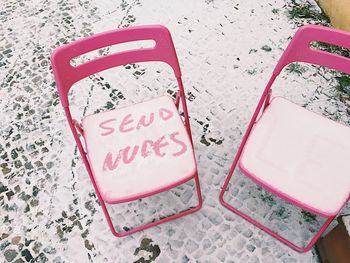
[{"x": 227, "y": 50}]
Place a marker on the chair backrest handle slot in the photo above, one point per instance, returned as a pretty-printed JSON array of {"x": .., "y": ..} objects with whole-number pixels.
[{"x": 300, "y": 49}]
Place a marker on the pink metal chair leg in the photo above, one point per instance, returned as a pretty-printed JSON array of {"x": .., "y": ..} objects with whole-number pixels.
[
  {"x": 154, "y": 223},
  {"x": 269, "y": 231},
  {"x": 177, "y": 99}
]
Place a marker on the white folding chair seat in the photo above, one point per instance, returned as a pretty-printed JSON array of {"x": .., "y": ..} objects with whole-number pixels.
[
  {"x": 139, "y": 149},
  {"x": 301, "y": 155}
]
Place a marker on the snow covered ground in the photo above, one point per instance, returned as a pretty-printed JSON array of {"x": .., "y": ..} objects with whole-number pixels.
[{"x": 227, "y": 50}]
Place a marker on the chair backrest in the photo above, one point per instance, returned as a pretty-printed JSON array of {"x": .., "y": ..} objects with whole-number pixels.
[
  {"x": 299, "y": 49},
  {"x": 66, "y": 74}
]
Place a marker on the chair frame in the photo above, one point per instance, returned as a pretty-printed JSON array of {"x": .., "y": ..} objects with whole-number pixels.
[
  {"x": 66, "y": 75},
  {"x": 298, "y": 50}
]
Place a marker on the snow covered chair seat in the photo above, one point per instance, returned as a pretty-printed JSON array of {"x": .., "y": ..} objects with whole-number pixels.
[
  {"x": 137, "y": 150},
  {"x": 300, "y": 155}
]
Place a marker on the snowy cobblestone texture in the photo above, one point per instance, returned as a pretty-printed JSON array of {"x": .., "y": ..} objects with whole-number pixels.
[{"x": 227, "y": 50}]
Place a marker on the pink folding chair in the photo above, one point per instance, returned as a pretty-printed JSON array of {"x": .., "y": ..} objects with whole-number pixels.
[
  {"x": 296, "y": 154},
  {"x": 135, "y": 151}
]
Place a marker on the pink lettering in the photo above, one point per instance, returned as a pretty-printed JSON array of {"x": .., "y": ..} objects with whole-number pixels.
[
  {"x": 109, "y": 129},
  {"x": 128, "y": 154},
  {"x": 125, "y": 122},
  {"x": 109, "y": 164},
  {"x": 142, "y": 121},
  {"x": 158, "y": 145},
  {"x": 129, "y": 159},
  {"x": 165, "y": 114},
  {"x": 181, "y": 143},
  {"x": 144, "y": 151}
]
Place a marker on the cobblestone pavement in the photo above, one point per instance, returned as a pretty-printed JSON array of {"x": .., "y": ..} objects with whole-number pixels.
[{"x": 227, "y": 49}]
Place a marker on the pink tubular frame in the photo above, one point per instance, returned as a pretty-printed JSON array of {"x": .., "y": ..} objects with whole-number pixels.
[
  {"x": 298, "y": 50},
  {"x": 66, "y": 75}
]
